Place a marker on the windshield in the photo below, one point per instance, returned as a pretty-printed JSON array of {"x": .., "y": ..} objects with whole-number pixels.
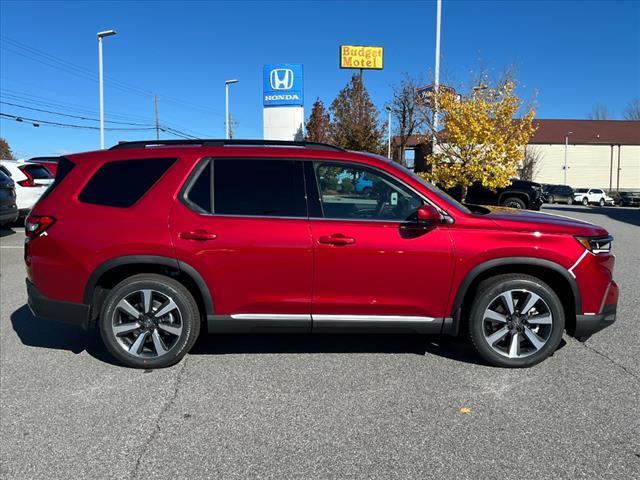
[{"x": 581, "y": 190}]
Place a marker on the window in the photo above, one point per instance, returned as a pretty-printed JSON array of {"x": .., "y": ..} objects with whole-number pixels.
[
  {"x": 38, "y": 172},
  {"x": 199, "y": 194},
  {"x": 64, "y": 168},
  {"x": 123, "y": 183},
  {"x": 352, "y": 192},
  {"x": 271, "y": 188}
]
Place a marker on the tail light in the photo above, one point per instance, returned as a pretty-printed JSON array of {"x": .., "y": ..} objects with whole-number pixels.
[
  {"x": 36, "y": 225},
  {"x": 29, "y": 182}
]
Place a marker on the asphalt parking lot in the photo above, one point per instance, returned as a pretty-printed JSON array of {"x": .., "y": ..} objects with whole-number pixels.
[{"x": 341, "y": 406}]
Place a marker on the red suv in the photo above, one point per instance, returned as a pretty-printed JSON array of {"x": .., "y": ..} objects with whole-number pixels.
[{"x": 153, "y": 241}]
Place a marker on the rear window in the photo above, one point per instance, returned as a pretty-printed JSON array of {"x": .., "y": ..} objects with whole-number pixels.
[
  {"x": 270, "y": 188},
  {"x": 64, "y": 167},
  {"x": 123, "y": 183},
  {"x": 38, "y": 172},
  {"x": 5, "y": 171},
  {"x": 3, "y": 176}
]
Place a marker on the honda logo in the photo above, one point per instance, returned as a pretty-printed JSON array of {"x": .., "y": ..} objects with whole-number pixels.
[{"x": 281, "y": 79}]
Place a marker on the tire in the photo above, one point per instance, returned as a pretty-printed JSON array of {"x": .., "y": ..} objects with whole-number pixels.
[
  {"x": 514, "y": 202},
  {"x": 601, "y": 202},
  {"x": 585, "y": 201},
  {"x": 167, "y": 338},
  {"x": 552, "y": 200},
  {"x": 488, "y": 335}
]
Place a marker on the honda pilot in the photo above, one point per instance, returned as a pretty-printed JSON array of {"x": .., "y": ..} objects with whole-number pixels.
[{"x": 153, "y": 242}]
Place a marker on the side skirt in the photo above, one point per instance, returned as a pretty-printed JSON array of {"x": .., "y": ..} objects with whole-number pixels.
[{"x": 262, "y": 322}]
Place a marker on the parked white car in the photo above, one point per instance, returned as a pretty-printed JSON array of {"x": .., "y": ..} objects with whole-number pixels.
[
  {"x": 31, "y": 181},
  {"x": 591, "y": 196}
]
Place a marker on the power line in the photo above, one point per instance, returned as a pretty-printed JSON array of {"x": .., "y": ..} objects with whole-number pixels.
[
  {"x": 34, "y": 100},
  {"x": 37, "y": 122},
  {"x": 52, "y": 61},
  {"x": 72, "y": 116}
]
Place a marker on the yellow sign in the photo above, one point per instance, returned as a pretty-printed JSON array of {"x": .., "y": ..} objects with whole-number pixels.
[{"x": 358, "y": 56}]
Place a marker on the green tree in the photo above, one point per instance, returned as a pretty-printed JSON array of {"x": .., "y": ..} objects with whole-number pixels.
[
  {"x": 355, "y": 124},
  {"x": 319, "y": 124},
  {"x": 5, "y": 150}
]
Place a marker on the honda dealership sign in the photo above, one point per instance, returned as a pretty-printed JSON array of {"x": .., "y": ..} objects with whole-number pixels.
[{"x": 282, "y": 85}]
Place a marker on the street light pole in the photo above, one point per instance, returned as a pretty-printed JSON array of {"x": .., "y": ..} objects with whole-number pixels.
[
  {"x": 388, "y": 109},
  {"x": 566, "y": 146},
  {"x": 436, "y": 82},
  {"x": 101, "y": 35},
  {"x": 226, "y": 109}
]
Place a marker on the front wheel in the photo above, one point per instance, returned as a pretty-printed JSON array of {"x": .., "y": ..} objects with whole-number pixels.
[
  {"x": 513, "y": 202},
  {"x": 585, "y": 201},
  {"x": 516, "y": 320},
  {"x": 149, "y": 321},
  {"x": 601, "y": 202}
]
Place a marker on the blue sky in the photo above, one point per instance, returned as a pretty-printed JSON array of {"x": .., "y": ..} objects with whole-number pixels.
[{"x": 573, "y": 54}]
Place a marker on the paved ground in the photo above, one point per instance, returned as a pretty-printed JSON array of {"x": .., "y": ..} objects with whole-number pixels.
[{"x": 321, "y": 407}]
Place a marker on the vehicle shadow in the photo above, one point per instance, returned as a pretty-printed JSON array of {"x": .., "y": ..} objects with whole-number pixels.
[
  {"x": 38, "y": 332},
  {"x": 629, "y": 215},
  {"x": 269, "y": 343},
  {"x": 6, "y": 231}
]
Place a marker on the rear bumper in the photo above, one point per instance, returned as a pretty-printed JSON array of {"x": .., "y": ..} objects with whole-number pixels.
[{"x": 68, "y": 312}]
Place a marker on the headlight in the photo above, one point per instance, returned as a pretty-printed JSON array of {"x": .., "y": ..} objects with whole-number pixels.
[{"x": 596, "y": 244}]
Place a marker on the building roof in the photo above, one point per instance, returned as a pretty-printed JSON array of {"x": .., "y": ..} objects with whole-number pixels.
[{"x": 584, "y": 132}]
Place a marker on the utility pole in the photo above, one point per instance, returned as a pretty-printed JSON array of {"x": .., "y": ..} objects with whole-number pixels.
[
  {"x": 436, "y": 82},
  {"x": 157, "y": 120}
]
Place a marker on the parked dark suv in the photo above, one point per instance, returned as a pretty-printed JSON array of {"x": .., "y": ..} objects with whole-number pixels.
[
  {"x": 520, "y": 194},
  {"x": 558, "y": 194},
  {"x": 150, "y": 242},
  {"x": 625, "y": 199}
]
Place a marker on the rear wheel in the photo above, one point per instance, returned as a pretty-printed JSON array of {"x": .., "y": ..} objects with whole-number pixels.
[
  {"x": 149, "y": 321},
  {"x": 585, "y": 201},
  {"x": 513, "y": 202},
  {"x": 515, "y": 321}
]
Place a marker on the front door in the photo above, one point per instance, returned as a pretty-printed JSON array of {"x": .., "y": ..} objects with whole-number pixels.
[
  {"x": 375, "y": 266},
  {"x": 242, "y": 224}
]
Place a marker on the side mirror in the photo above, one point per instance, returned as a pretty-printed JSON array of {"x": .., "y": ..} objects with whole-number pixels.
[{"x": 428, "y": 215}]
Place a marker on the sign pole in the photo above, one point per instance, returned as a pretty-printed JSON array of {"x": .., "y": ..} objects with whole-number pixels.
[{"x": 436, "y": 82}]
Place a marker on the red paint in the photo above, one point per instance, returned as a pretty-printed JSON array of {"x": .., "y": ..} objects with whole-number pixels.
[{"x": 299, "y": 266}]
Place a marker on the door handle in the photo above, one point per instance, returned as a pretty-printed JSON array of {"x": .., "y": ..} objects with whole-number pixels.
[
  {"x": 337, "y": 239},
  {"x": 200, "y": 235}
]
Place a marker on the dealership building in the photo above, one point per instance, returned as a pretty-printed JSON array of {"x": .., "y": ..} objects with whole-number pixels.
[{"x": 599, "y": 153}]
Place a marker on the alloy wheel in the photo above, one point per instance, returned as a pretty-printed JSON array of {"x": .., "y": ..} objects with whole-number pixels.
[
  {"x": 147, "y": 323},
  {"x": 517, "y": 323}
]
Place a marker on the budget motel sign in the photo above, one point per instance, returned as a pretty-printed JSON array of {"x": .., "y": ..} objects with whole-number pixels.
[{"x": 359, "y": 56}]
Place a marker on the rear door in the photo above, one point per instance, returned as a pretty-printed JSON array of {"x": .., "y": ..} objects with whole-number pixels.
[
  {"x": 242, "y": 224},
  {"x": 375, "y": 268}
]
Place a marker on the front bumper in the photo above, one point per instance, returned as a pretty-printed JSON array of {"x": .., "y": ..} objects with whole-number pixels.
[
  {"x": 587, "y": 325},
  {"x": 68, "y": 312}
]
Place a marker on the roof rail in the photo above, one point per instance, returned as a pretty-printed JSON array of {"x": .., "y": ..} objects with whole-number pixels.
[{"x": 225, "y": 143}]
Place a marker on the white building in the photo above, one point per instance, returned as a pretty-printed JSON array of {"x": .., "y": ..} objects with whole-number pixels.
[{"x": 599, "y": 153}]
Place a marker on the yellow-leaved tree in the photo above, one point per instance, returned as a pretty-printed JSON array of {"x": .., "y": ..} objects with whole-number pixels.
[{"x": 482, "y": 137}]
